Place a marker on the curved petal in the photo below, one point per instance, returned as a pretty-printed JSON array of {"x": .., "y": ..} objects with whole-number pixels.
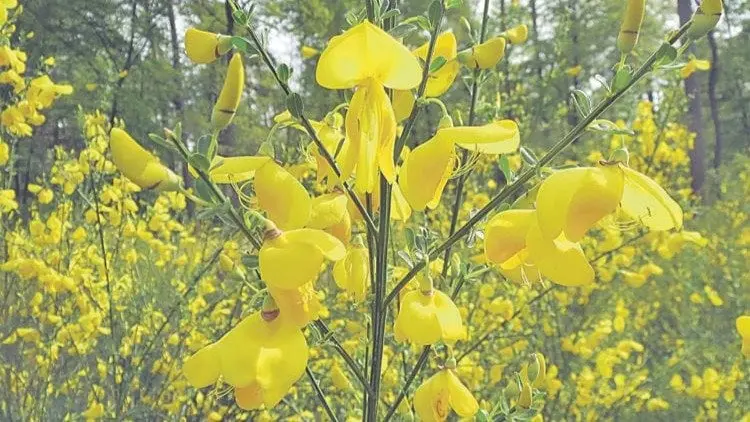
[
  {"x": 289, "y": 265},
  {"x": 743, "y": 325},
  {"x": 403, "y": 103},
  {"x": 426, "y": 171},
  {"x": 416, "y": 321},
  {"x": 644, "y": 200},
  {"x": 326, "y": 244},
  {"x": 281, "y": 196},
  {"x": 505, "y": 234},
  {"x": 461, "y": 399},
  {"x": 400, "y": 209},
  {"x": 202, "y": 368},
  {"x": 573, "y": 200},
  {"x": 560, "y": 260},
  {"x": 498, "y": 137},
  {"x": 366, "y": 51},
  {"x": 449, "y": 318},
  {"x": 327, "y": 210},
  {"x": 249, "y": 398},
  {"x": 236, "y": 169}
]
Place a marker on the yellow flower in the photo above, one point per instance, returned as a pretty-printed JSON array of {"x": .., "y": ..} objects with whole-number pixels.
[
  {"x": 205, "y": 47},
  {"x": 518, "y": 34},
  {"x": 743, "y": 328},
  {"x": 574, "y": 71},
  {"x": 403, "y": 104},
  {"x": 308, "y": 52},
  {"x": 279, "y": 194},
  {"x": 368, "y": 58},
  {"x": 694, "y": 65},
  {"x": 4, "y": 153},
  {"x": 428, "y": 167},
  {"x": 573, "y": 200},
  {"x": 353, "y": 272},
  {"x": 261, "y": 357},
  {"x": 300, "y": 305},
  {"x": 485, "y": 55},
  {"x": 514, "y": 242},
  {"x": 339, "y": 378},
  {"x": 42, "y": 91},
  {"x": 15, "y": 59},
  {"x": 330, "y": 213},
  {"x": 440, "y": 80},
  {"x": 434, "y": 399},
  {"x": 428, "y": 317},
  {"x": 4, "y": 6},
  {"x": 139, "y": 165},
  {"x": 293, "y": 258},
  {"x": 229, "y": 97},
  {"x": 705, "y": 18}
]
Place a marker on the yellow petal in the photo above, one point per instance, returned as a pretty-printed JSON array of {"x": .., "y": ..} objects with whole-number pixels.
[
  {"x": 400, "y": 209},
  {"x": 202, "y": 368},
  {"x": 327, "y": 210},
  {"x": 289, "y": 265},
  {"x": 743, "y": 325},
  {"x": 574, "y": 200},
  {"x": 300, "y": 306},
  {"x": 461, "y": 399},
  {"x": 505, "y": 234},
  {"x": 282, "y": 197},
  {"x": 229, "y": 97},
  {"x": 250, "y": 397},
  {"x": 498, "y": 137},
  {"x": 449, "y": 317},
  {"x": 353, "y": 272},
  {"x": 139, "y": 165},
  {"x": 403, "y": 103},
  {"x": 308, "y": 52},
  {"x": 431, "y": 401},
  {"x": 485, "y": 55},
  {"x": 644, "y": 200},
  {"x": 205, "y": 47},
  {"x": 365, "y": 51},
  {"x": 442, "y": 79},
  {"x": 426, "y": 171},
  {"x": 518, "y": 34},
  {"x": 328, "y": 245},
  {"x": 416, "y": 321},
  {"x": 236, "y": 169},
  {"x": 559, "y": 260}
]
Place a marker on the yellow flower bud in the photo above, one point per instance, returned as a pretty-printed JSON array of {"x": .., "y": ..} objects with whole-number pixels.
[
  {"x": 139, "y": 165},
  {"x": 205, "y": 47},
  {"x": 635, "y": 10},
  {"x": 705, "y": 18},
  {"x": 229, "y": 98},
  {"x": 485, "y": 55}
]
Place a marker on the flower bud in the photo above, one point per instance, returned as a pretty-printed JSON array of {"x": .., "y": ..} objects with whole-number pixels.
[
  {"x": 631, "y": 25},
  {"x": 705, "y": 18},
  {"x": 541, "y": 376},
  {"x": 229, "y": 98},
  {"x": 445, "y": 121},
  {"x": 205, "y": 47}
]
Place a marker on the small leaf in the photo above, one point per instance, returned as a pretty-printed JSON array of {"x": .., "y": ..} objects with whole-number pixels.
[
  {"x": 453, "y": 4},
  {"x": 200, "y": 162},
  {"x": 665, "y": 55},
  {"x": 284, "y": 72},
  {"x": 243, "y": 44},
  {"x": 435, "y": 12},
  {"x": 406, "y": 258},
  {"x": 609, "y": 127},
  {"x": 504, "y": 165},
  {"x": 206, "y": 146},
  {"x": 390, "y": 14},
  {"x": 437, "y": 63},
  {"x": 482, "y": 416},
  {"x": 601, "y": 80},
  {"x": 294, "y": 105},
  {"x": 402, "y": 30},
  {"x": 582, "y": 102},
  {"x": 420, "y": 21},
  {"x": 622, "y": 78},
  {"x": 203, "y": 191},
  {"x": 528, "y": 156}
]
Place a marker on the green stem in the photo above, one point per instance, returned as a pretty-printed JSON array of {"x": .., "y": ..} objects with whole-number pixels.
[
  {"x": 516, "y": 187},
  {"x": 353, "y": 366},
  {"x": 421, "y": 361},
  {"x": 379, "y": 311},
  {"x": 321, "y": 395},
  {"x": 370, "y": 7}
]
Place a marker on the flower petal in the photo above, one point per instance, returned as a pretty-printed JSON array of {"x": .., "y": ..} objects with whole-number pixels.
[
  {"x": 643, "y": 199},
  {"x": 236, "y": 169},
  {"x": 282, "y": 197},
  {"x": 461, "y": 399},
  {"x": 326, "y": 244},
  {"x": 426, "y": 171},
  {"x": 560, "y": 260},
  {"x": 498, "y": 137},
  {"x": 505, "y": 234}
]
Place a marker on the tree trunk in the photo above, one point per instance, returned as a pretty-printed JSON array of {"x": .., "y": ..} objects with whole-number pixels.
[
  {"x": 713, "y": 76},
  {"x": 535, "y": 38},
  {"x": 695, "y": 113}
]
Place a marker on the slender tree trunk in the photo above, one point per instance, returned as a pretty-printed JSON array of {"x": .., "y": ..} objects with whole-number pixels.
[
  {"x": 713, "y": 77},
  {"x": 574, "y": 39},
  {"x": 695, "y": 114},
  {"x": 535, "y": 38}
]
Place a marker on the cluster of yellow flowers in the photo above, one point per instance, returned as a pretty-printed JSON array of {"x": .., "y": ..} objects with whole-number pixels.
[{"x": 120, "y": 301}]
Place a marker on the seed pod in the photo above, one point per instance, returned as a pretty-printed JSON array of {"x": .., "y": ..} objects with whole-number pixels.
[
  {"x": 631, "y": 25},
  {"x": 231, "y": 92},
  {"x": 524, "y": 400},
  {"x": 705, "y": 18}
]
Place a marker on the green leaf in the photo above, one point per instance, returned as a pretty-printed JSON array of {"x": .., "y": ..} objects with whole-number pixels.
[
  {"x": 528, "y": 156},
  {"x": 437, "y": 63},
  {"x": 435, "y": 12},
  {"x": 420, "y": 21},
  {"x": 581, "y": 101},
  {"x": 207, "y": 146},
  {"x": 504, "y": 165},
  {"x": 243, "y": 44},
  {"x": 406, "y": 258},
  {"x": 200, "y": 162},
  {"x": 284, "y": 72},
  {"x": 482, "y": 416},
  {"x": 294, "y": 105},
  {"x": 402, "y": 30},
  {"x": 203, "y": 191},
  {"x": 390, "y": 14},
  {"x": 453, "y": 4},
  {"x": 609, "y": 127},
  {"x": 250, "y": 261},
  {"x": 622, "y": 78},
  {"x": 665, "y": 55}
]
